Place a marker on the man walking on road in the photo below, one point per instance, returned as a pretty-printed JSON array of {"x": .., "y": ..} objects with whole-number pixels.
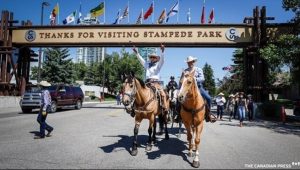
[{"x": 45, "y": 107}]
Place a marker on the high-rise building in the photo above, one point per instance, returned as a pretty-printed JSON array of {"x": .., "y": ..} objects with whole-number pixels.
[{"x": 90, "y": 55}]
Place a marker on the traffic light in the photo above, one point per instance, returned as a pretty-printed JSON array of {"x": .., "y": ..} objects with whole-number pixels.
[{"x": 32, "y": 55}]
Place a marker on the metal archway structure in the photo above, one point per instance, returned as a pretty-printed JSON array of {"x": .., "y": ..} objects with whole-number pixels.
[{"x": 251, "y": 35}]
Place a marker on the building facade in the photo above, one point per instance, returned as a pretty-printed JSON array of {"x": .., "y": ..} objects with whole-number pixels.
[{"x": 89, "y": 55}]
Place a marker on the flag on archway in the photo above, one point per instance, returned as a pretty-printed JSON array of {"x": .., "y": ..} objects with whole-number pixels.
[
  {"x": 173, "y": 11},
  {"x": 54, "y": 15},
  {"x": 98, "y": 10},
  {"x": 149, "y": 11},
  {"x": 211, "y": 17},
  {"x": 70, "y": 18}
]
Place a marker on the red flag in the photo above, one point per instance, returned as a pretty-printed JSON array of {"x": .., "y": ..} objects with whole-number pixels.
[
  {"x": 211, "y": 17},
  {"x": 203, "y": 16},
  {"x": 149, "y": 12}
]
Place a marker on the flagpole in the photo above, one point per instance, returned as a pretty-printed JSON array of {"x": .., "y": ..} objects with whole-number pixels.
[
  {"x": 128, "y": 12},
  {"x": 104, "y": 11},
  {"x": 178, "y": 12},
  {"x": 58, "y": 14},
  {"x": 142, "y": 16},
  {"x": 153, "y": 12},
  {"x": 165, "y": 15},
  {"x": 190, "y": 19},
  {"x": 118, "y": 22}
]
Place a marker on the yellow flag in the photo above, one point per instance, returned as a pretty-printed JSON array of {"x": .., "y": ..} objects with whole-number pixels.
[{"x": 97, "y": 11}]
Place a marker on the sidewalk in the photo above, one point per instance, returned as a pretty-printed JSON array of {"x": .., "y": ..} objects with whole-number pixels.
[{"x": 15, "y": 107}]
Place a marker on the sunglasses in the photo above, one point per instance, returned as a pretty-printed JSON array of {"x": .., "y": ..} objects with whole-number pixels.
[{"x": 152, "y": 57}]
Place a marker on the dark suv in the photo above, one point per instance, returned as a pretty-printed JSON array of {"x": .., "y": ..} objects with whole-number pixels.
[{"x": 61, "y": 96}]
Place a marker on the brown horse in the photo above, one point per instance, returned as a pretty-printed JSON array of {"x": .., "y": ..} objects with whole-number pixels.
[
  {"x": 145, "y": 104},
  {"x": 192, "y": 112}
]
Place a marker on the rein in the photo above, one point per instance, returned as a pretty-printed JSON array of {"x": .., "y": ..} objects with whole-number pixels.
[
  {"x": 143, "y": 108},
  {"x": 193, "y": 111}
]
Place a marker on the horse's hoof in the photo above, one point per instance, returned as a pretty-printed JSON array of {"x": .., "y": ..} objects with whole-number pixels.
[
  {"x": 134, "y": 152},
  {"x": 149, "y": 147},
  {"x": 196, "y": 164}
]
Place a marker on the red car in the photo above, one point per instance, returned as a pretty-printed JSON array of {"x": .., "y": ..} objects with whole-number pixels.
[{"x": 61, "y": 96}]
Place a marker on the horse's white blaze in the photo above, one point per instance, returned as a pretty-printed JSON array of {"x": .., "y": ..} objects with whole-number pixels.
[{"x": 181, "y": 91}]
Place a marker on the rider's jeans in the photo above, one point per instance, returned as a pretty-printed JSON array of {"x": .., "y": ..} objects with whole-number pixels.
[{"x": 205, "y": 94}]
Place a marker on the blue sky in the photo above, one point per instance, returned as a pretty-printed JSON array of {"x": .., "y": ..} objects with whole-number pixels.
[{"x": 226, "y": 12}]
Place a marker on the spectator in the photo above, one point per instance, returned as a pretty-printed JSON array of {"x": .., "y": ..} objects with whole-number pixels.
[
  {"x": 220, "y": 105},
  {"x": 242, "y": 107},
  {"x": 230, "y": 106},
  {"x": 250, "y": 107}
]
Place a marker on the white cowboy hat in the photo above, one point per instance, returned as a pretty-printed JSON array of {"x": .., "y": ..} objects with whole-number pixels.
[
  {"x": 221, "y": 94},
  {"x": 44, "y": 83},
  {"x": 231, "y": 95},
  {"x": 153, "y": 55},
  {"x": 190, "y": 58}
]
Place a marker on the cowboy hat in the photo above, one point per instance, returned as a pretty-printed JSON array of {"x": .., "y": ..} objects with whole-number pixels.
[
  {"x": 44, "y": 83},
  {"x": 190, "y": 58},
  {"x": 231, "y": 95},
  {"x": 154, "y": 54},
  {"x": 221, "y": 94}
]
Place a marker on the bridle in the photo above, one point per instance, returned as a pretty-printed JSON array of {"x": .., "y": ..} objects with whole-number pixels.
[{"x": 131, "y": 97}]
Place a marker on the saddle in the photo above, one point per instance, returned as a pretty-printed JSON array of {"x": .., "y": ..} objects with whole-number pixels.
[{"x": 156, "y": 93}]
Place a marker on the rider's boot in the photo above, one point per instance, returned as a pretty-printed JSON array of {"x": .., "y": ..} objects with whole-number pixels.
[{"x": 208, "y": 116}]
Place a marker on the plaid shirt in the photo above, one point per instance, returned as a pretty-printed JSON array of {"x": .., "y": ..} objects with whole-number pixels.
[{"x": 46, "y": 99}]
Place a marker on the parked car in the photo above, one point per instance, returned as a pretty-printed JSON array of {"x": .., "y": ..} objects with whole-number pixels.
[
  {"x": 297, "y": 107},
  {"x": 61, "y": 96}
]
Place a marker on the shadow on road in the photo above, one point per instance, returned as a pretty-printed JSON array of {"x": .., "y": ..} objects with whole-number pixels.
[
  {"x": 123, "y": 142},
  {"x": 36, "y": 133},
  {"x": 172, "y": 146}
]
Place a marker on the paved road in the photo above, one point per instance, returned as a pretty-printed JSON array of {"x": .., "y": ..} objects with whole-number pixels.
[{"x": 100, "y": 136}]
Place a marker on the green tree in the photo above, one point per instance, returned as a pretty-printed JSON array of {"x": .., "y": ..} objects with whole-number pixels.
[
  {"x": 209, "y": 82},
  {"x": 293, "y": 5},
  {"x": 235, "y": 81},
  {"x": 282, "y": 54},
  {"x": 57, "y": 68},
  {"x": 80, "y": 70},
  {"x": 92, "y": 75},
  {"x": 34, "y": 73}
]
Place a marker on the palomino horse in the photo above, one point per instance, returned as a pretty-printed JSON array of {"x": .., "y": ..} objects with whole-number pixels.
[
  {"x": 192, "y": 112},
  {"x": 145, "y": 103}
]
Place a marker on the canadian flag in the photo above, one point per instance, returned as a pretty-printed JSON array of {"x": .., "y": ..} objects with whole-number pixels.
[{"x": 211, "y": 17}]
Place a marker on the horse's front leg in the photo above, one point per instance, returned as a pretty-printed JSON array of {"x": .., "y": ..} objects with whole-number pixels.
[
  {"x": 134, "y": 150},
  {"x": 166, "y": 126},
  {"x": 189, "y": 137},
  {"x": 196, "y": 162},
  {"x": 150, "y": 131}
]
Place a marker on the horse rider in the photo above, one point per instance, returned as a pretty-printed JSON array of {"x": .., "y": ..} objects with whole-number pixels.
[
  {"x": 153, "y": 67},
  {"x": 172, "y": 85},
  {"x": 200, "y": 79}
]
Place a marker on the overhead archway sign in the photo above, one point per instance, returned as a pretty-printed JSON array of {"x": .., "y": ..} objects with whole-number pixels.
[{"x": 128, "y": 35}]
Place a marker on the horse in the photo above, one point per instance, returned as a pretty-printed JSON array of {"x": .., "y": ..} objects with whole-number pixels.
[
  {"x": 174, "y": 113},
  {"x": 192, "y": 112},
  {"x": 145, "y": 104}
]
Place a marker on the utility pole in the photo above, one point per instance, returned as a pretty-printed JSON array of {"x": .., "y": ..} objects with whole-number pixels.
[{"x": 40, "y": 50}]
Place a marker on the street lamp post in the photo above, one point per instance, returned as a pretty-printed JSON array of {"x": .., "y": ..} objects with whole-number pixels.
[{"x": 40, "y": 50}]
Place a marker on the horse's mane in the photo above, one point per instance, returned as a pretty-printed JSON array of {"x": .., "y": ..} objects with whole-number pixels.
[{"x": 141, "y": 82}]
